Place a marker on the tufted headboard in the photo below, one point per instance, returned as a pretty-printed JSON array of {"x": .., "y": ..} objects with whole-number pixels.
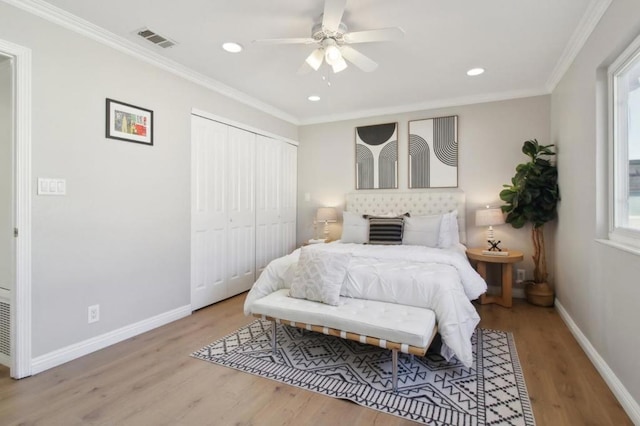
[{"x": 416, "y": 203}]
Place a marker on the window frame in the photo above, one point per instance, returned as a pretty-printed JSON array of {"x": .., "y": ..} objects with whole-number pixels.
[{"x": 619, "y": 152}]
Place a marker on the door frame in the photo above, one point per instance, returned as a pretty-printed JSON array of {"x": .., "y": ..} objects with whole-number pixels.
[{"x": 21, "y": 292}]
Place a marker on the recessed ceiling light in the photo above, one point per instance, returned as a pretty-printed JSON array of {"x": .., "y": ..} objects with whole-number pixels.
[
  {"x": 314, "y": 98},
  {"x": 475, "y": 71},
  {"x": 232, "y": 47}
]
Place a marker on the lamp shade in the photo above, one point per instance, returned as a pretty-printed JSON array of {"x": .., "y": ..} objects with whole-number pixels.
[
  {"x": 315, "y": 59},
  {"x": 489, "y": 217},
  {"x": 339, "y": 65},
  {"x": 327, "y": 214}
]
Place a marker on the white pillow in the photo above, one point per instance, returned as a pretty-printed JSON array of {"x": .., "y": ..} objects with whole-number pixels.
[
  {"x": 449, "y": 232},
  {"x": 319, "y": 275},
  {"x": 422, "y": 230},
  {"x": 355, "y": 228}
]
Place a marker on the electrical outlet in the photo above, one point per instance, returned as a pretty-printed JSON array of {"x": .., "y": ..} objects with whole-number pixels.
[
  {"x": 520, "y": 276},
  {"x": 94, "y": 313}
]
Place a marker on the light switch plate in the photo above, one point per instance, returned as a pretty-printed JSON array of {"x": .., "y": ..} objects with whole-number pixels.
[{"x": 47, "y": 186}]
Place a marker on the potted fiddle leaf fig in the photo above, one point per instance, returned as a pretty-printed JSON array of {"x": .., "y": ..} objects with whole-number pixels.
[{"x": 532, "y": 198}]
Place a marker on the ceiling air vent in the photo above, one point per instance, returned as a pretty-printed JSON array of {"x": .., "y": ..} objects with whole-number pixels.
[{"x": 155, "y": 38}]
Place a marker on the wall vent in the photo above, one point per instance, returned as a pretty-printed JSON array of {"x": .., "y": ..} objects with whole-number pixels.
[
  {"x": 5, "y": 330},
  {"x": 155, "y": 38}
]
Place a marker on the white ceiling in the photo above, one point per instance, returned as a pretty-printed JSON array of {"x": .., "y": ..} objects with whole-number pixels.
[{"x": 524, "y": 46}]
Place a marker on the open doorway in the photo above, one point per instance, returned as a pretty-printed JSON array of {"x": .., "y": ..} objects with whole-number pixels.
[
  {"x": 7, "y": 252},
  {"x": 18, "y": 284}
]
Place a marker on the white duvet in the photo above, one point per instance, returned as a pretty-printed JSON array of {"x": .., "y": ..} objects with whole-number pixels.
[{"x": 438, "y": 279}]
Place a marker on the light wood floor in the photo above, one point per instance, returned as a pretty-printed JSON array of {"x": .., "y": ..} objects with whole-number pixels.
[{"x": 152, "y": 380}]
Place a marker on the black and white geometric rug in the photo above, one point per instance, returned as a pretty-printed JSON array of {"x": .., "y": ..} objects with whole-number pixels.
[{"x": 430, "y": 390}]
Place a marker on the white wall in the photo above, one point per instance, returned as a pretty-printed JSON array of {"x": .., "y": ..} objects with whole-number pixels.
[
  {"x": 490, "y": 141},
  {"x": 120, "y": 237},
  {"x": 596, "y": 284},
  {"x": 6, "y": 222}
]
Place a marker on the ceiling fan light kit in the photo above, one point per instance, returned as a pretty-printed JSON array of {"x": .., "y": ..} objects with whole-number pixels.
[
  {"x": 339, "y": 65},
  {"x": 331, "y": 52},
  {"x": 333, "y": 39},
  {"x": 315, "y": 59}
]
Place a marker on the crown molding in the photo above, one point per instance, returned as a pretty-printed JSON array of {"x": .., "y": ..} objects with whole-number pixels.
[
  {"x": 67, "y": 20},
  {"x": 585, "y": 27},
  {"x": 441, "y": 103}
]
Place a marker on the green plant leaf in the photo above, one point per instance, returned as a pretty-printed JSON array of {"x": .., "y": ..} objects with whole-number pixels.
[{"x": 533, "y": 194}]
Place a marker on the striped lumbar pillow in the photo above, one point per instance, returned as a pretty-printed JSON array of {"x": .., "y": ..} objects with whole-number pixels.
[{"x": 385, "y": 230}]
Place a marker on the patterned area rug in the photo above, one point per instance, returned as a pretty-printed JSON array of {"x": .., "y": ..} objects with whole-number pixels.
[{"x": 430, "y": 390}]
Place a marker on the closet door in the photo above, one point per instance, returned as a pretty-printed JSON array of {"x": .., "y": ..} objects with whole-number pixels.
[
  {"x": 275, "y": 200},
  {"x": 243, "y": 203},
  {"x": 208, "y": 212},
  {"x": 268, "y": 175},
  {"x": 288, "y": 197},
  {"x": 241, "y": 235}
]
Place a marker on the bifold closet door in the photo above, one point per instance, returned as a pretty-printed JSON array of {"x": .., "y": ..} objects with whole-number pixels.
[
  {"x": 276, "y": 169},
  {"x": 268, "y": 165},
  {"x": 243, "y": 203},
  {"x": 222, "y": 211},
  {"x": 288, "y": 199},
  {"x": 209, "y": 213},
  {"x": 241, "y": 190}
]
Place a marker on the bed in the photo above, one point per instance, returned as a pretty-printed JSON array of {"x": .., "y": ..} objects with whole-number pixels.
[{"x": 428, "y": 272}]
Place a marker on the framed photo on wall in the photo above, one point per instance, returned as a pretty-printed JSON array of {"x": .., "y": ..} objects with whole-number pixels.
[
  {"x": 129, "y": 123},
  {"x": 433, "y": 153},
  {"x": 377, "y": 156}
]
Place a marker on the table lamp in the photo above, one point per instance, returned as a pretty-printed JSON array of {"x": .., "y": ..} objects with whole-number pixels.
[
  {"x": 490, "y": 216},
  {"x": 326, "y": 215}
]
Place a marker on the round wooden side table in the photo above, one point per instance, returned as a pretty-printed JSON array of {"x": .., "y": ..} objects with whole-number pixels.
[{"x": 505, "y": 298}]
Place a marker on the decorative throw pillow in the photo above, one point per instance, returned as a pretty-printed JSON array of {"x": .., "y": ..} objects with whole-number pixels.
[
  {"x": 449, "y": 231},
  {"x": 386, "y": 230},
  {"x": 319, "y": 275},
  {"x": 355, "y": 228},
  {"x": 422, "y": 230}
]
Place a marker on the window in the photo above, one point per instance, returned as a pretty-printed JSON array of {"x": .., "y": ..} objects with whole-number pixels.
[{"x": 624, "y": 89}]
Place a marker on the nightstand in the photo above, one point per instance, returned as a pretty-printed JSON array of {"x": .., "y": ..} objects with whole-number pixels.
[{"x": 514, "y": 256}]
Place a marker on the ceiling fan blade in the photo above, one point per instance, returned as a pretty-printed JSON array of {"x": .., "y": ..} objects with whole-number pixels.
[
  {"x": 315, "y": 59},
  {"x": 300, "y": 40},
  {"x": 358, "y": 59},
  {"x": 333, "y": 11},
  {"x": 381, "y": 34}
]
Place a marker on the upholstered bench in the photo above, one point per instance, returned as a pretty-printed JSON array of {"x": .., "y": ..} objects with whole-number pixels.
[{"x": 407, "y": 329}]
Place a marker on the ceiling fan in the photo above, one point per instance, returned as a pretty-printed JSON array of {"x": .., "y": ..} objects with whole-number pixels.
[{"x": 333, "y": 40}]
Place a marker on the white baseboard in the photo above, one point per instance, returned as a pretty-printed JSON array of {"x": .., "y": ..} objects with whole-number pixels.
[
  {"x": 71, "y": 352},
  {"x": 629, "y": 404}
]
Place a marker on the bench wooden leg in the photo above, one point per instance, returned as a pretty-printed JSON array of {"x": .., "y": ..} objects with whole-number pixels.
[
  {"x": 274, "y": 343},
  {"x": 394, "y": 377}
]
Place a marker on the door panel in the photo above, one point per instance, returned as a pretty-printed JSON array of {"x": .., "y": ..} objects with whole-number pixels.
[
  {"x": 268, "y": 200},
  {"x": 208, "y": 216},
  {"x": 289, "y": 198},
  {"x": 242, "y": 213}
]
